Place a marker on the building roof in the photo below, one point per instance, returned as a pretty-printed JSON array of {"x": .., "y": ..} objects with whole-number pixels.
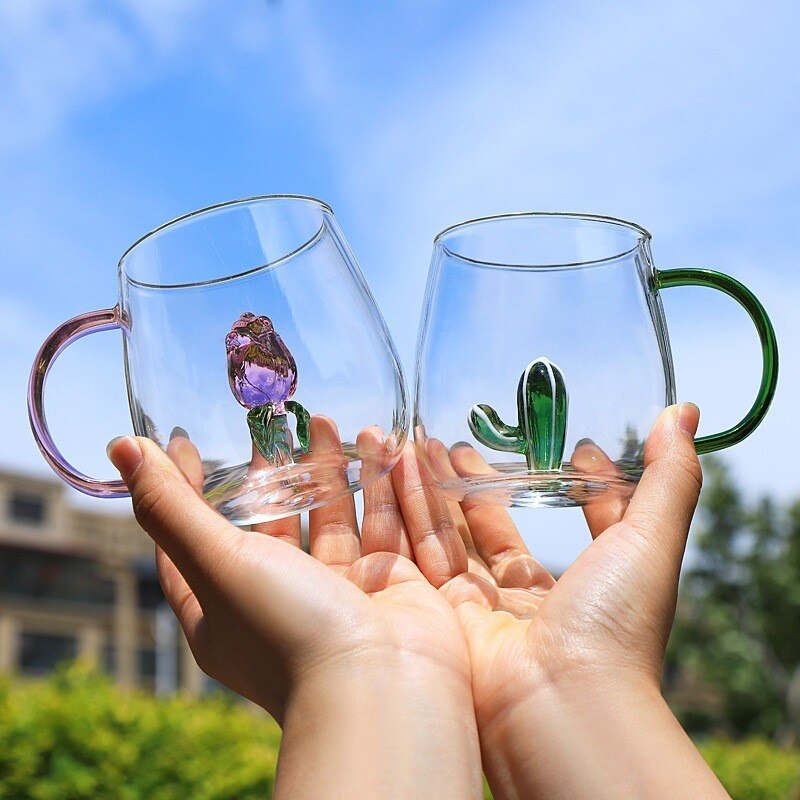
[{"x": 37, "y": 513}]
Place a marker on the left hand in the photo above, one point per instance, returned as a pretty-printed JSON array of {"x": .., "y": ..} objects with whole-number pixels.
[{"x": 351, "y": 648}]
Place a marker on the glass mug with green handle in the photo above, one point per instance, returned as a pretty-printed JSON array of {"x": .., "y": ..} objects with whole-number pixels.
[
  {"x": 248, "y": 328},
  {"x": 543, "y": 346}
]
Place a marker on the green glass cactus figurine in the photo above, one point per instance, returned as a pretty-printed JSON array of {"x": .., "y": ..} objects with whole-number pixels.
[{"x": 541, "y": 416}]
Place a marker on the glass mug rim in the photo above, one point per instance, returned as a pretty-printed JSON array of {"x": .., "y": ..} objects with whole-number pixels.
[
  {"x": 191, "y": 216},
  {"x": 600, "y": 220}
]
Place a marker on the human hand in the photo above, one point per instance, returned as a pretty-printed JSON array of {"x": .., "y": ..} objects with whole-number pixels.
[
  {"x": 352, "y": 648},
  {"x": 566, "y": 675}
]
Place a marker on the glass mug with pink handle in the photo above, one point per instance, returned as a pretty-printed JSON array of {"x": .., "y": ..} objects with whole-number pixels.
[{"x": 248, "y": 328}]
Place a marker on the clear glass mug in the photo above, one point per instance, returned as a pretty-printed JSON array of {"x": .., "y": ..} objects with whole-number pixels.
[
  {"x": 543, "y": 348},
  {"x": 248, "y": 328}
]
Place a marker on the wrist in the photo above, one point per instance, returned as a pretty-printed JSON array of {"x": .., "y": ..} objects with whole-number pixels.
[
  {"x": 404, "y": 730},
  {"x": 613, "y": 737}
]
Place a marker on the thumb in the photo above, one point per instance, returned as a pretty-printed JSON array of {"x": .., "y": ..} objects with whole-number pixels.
[
  {"x": 168, "y": 508},
  {"x": 664, "y": 502},
  {"x": 257, "y": 580}
]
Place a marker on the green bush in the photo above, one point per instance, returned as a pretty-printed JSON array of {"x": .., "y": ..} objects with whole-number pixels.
[
  {"x": 76, "y": 736},
  {"x": 754, "y": 769}
]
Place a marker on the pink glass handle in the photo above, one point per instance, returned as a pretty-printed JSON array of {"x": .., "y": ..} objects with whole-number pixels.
[{"x": 72, "y": 330}]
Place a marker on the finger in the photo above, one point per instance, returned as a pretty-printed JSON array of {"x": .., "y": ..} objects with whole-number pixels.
[
  {"x": 382, "y": 527},
  {"x": 486, "y": 612},
  {"x": 287, "y": 529},
  {"x": 332, "y": 528},
  {"x": 438, "y": 548},
  {"x": 496, "y": 537},
  {"x": 262, "y": 583},
  {"x": 180, "y": 597},
  {"x": 196, "y": 538},
  {"x": 186, "y": 457},
  {"x": 378, "y": 571},
  {"x": 664, "y": 502},
  {"x": 469, "y": 588},
  {"x": 607, "y": 511},
  {"x": 182, "y": 600},
  {"x": 439, "y": 457}
]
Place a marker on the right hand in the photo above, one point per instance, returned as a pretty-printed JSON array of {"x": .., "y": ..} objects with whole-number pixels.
[{"x": 566, "y": 674}]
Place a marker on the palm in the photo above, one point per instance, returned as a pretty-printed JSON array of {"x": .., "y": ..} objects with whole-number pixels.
[
  {"x": 611, "y": 609},
  {"x": 412, "y": 616},
  {"x": 520, "y": 637},
  {"x": 386, "y": 603},
  {"x": 372, "y": 588}
]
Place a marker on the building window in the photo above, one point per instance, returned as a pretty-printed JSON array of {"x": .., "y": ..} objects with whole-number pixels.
[
  {"x": 54, "y": 577},
  {"x": 29, "y": 509},
  {"x": 108, "y": 659},
  {"x": 40, "y": 653},
  {"x": 149, "y": 593},
  {"x": 147, "y": 668}
]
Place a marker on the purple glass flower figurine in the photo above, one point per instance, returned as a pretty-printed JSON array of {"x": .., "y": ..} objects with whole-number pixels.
[
  {"x": 263, "y": 376},
  {"x": 260, "y": 367}
]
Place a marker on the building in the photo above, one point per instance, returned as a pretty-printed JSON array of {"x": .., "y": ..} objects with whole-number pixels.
[{"x": 74, "y": 583}]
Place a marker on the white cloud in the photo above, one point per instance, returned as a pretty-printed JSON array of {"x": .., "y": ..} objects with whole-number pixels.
[
  {"x": 56, "y": 60},
  {"x": 59, "y": 58},
  {"x": 55, "y": 57},
  {"x": 682, "y": 117},
  {"x": 540, "y": 104},
  {"x": 165, "y": 25}
]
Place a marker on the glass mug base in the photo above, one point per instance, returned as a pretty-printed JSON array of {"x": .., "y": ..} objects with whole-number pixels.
[
  {"x": 565, "y": 488},
  {"x": 249, "y": 496}
]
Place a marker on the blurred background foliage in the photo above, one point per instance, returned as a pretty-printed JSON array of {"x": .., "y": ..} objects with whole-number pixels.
[
  {"x": 732, "y": 676},
  {"x": 76, "y": 736},
  {"x": 733, "y": 664}
]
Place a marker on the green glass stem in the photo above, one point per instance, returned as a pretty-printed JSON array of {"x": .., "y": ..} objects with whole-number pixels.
[
  {"x": 769, "y": 348},
  {"x": 541, "y": 430},
  {"x": 302, "y": 422},
  {"x": 271, "y": 434}
]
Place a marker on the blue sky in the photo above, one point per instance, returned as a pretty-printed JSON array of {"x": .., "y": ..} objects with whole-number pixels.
[{"x": 405, "y": 117}]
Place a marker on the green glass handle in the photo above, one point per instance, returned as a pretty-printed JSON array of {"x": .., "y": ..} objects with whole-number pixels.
[{"x": 769, "y": 348}]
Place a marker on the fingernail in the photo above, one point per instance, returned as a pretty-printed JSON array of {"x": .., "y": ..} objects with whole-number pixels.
[
  {"x": 460, "y": 444},
  {"x": 688, "y": 418},
  {"x": 125, "y": 454},
  {"x": 178, "y": 431},
  {"x": 585, "y": 441}
]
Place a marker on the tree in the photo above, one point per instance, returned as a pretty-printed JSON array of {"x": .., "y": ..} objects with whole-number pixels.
[{"x": 737, "y": 631}]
